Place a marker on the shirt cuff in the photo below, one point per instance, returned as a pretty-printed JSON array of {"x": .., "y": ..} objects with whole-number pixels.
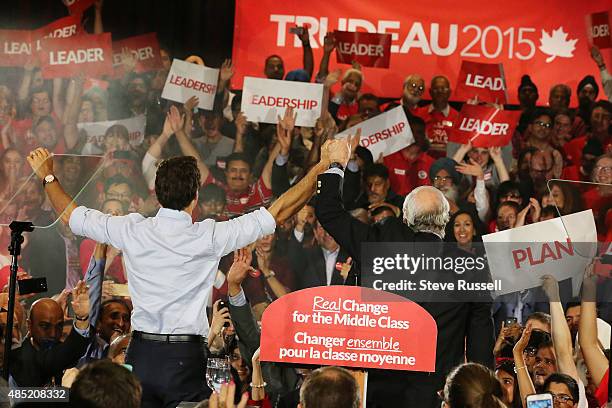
[
  {"x": 239, "y": 299},
  {"x": 266, "y": 221},
  {"x": 281, "y": 159},
  {"x": 83, "y": 333},
  {"x": 299, "y": 235},
  {"x": 352, "y": 166},
  {"x": 335, "y": 170}
]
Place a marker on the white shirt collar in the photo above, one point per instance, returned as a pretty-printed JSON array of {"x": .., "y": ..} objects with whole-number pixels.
[
  {"x": 444, "y": 111},
  {"x": 176, "y": 214}
]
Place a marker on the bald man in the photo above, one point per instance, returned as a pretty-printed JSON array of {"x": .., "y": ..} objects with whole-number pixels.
[
  {"x": 42, "y": 358},
  {"x": 414, "y": 87},
  {"x": 465, "y": 330}
]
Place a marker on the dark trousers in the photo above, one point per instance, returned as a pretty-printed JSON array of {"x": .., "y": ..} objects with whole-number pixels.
[{"x": 169, "y": 372}]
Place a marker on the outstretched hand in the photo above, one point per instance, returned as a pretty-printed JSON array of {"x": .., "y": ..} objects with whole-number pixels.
[
  {"x": 41, "y": 162},
  {"x": 241, "y": 267}
]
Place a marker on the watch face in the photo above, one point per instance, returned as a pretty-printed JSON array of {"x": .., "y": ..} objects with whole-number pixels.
[{"x": 49, "y": 178}]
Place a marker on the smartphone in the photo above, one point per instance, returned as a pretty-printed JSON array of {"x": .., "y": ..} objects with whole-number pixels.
[
  {"x": 220, "y": 306},
  {"x": 510, "y": 321},
  {"x": 296, "y": 30},
  {"x": 33, "y": 285},
  {"x": 540, "y": 401},
  {"x": 120, "y": 289}
]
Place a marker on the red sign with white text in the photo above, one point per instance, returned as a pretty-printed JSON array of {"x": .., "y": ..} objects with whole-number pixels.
[
  {"x": 349, "y": 326},
  {"x": 483, "y": 81},
  {"x": 77, "y": 7},
  {"x": 67, "y": 57},
  {"x": 16, "y": 47},
  {"x": 598, "y": 26},
  {"x": 484, "y": 126},
  {"x": 144, "y": 49},
  {"x": 368, "y": 49},
  {"x": 65, "y": 27},
  {"x": 545, "y": 39}
]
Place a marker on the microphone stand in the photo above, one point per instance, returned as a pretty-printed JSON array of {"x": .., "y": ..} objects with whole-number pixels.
[{"x": 17, "y": 229}]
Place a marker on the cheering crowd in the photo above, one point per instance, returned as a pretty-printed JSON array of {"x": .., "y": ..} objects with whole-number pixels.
[{"x": 78, "y": 336}]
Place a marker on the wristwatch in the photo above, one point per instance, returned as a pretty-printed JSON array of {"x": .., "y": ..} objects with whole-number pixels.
[
  {"x": 49, "y": 178},
  {"x": 336, "y": 165},
  {"x": 270, "y": 275}
]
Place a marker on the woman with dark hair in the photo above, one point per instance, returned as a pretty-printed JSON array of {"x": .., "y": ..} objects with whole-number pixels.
[
  {"x": 472, "y": 385},
  {"x": 464, "y": 228},
  {"x": 504, "y": 372},
  {"x": 564, "y": 196}
]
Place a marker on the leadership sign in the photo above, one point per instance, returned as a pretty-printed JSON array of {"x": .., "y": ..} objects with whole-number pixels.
[
  {"x": 383, "y": 134},
  {"x": 264, "y": 100},
  {"x": 349, "y": 326},
  {"x": 545, "y": 39},
  {"x": 561, "y": 247},
  {"x": 68, "y": 57},
  {"x": 96, "y": 132},
  {"x": 16, "y": 47},
  {"x": 186, "y": 80},
  {"x": 484, "y": 126},
  {"x": 485, "y": 82},
  {"x": 368, "y": 49}
]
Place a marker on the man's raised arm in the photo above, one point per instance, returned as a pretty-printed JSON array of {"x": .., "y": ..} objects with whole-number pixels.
[{"x": 41, "y": 162}]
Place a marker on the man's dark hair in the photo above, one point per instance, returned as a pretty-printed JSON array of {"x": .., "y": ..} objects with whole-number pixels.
[
  {"x": 44, "y": 119},
  {"x": 236, "y": 102},
  {"x": 212, "y": 192},
  {"x": 376, "y": 169},
  {"x": 110, "y": 302},
  {"x": 116, "y": 179},
  {"x": 330, "y": 387},
  {"x": 274, "y": 56},
  {"x": 539, "y": 112},
  {"x": 541, "y": 317},
  {"x": 368, "y": 97},
  {"x": 569, "y": 382},
  {"x": 381, "y": 209},
  {"x": 103, "y": 384},
  {"x": 573, "y": 303},
  {"x": 510, "y": 204},
  {"x": 177, "y": 182},
  {"x": 549, "y": 211},
  {"x": 237, "y": 157}
]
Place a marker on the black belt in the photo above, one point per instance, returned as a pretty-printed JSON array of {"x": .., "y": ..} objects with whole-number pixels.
[{"x": 168, "y": 338}]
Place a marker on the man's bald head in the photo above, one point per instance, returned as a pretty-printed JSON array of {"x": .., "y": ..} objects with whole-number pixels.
[
  {"x": 426, "y": 210},
  {"x": 46, "y": 320}
]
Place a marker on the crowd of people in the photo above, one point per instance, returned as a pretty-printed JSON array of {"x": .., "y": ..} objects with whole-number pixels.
[{"x": 78, "y": 336}]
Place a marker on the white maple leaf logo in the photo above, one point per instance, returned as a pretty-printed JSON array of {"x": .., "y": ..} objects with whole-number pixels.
[{"x": 557, "y": 44}]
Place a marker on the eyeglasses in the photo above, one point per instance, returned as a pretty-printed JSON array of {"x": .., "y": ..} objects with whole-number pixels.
[
  {"x": 420, "y": 88},
  {"x": 541, "y": 124},
  {"x": 531, "y": 351},
  {"x": 545, "y": 361},
  {"x": 443, "y": 179},
  {"x": 603, "y": 169},
  {"x": 512, "y": 195},
  {"x": 562, "y": 398}
]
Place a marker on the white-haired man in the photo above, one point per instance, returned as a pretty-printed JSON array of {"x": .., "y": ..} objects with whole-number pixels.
[{"x": 464, "y": 329}]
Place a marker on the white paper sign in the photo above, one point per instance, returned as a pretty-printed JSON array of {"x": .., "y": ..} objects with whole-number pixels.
[
  {"x": 186, "y": 80},
  {"x": 385, "y": 133},
  {"x": 519, "y": 257},
  {"x": 96, "y": 131},
  {"x": 263, "y": 100}
]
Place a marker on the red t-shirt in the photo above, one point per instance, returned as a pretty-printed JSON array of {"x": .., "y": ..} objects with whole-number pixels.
[
  {"x": 595, "y": 201},
  {"x": 258, "y": 195},
  {"x": 346, "y": 110},
  {"x": 438, "y": 127},
  {"x": 602, "y": 391},
  {"x": 573, "y": 149},
  {"x": 407, "y": 175},
  {"x": 114, "y": 271}
]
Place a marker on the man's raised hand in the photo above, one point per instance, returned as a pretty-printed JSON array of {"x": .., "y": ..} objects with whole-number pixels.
[
  {"x": 41, "y": 162},
  {"x": 240, "y": 268}
]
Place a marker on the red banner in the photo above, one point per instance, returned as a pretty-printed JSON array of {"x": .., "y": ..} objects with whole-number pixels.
[
  {"x": 67, "y": 57},
  {"x": 77, "y": 7},
  {"x": 349, "y": 326},
  {"x": 483, "y": 81},
  {"x": 65, "y": 27},
  {"x": 598, "y": 26},
  {"x": 16, "y": 47},
  {"x": 369, "y": 50},
  {"x": 145, "y": 50},
  {"x": 546, "y": 40},
  {"x": 484, "y": 126}
]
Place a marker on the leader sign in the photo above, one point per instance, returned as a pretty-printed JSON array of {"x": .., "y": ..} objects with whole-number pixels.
[
  {"x": 186, "y": 80},
  {"x": 598, "y": 25},
  {"x": 484, "y": 126},
  {"x": 369, "y": 50},
  {"x": 483, "y": 81},
  {"x": 68, "y": 57},
  {"x": 383, "y": 134},
  {"x": 264, "y": 100}
]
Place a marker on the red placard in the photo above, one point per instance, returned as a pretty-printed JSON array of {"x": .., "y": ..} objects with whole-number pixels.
[
  {"x": 349, "y": 326},
  {"x": 483, "y": 81},
  {"x": 368, "y": 49},
  {"x": 16, "y": 47},
  {"x": 545, "y": 39},
  {"x": 598, "y": 26},
  {"x": 67, "y": 57},
  {"x": 65, "y": 27},
  {"x": 484, "y": 126},
  {"x": 77, "y": 7},
  {"x": 145, "y": 50}
]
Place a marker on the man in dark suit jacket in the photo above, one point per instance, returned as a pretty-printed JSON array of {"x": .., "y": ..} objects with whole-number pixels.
[
  {"x": 41, "y": 358},
  {"x": 316, "y": 265},
  {"x": 464, "y": 329}
]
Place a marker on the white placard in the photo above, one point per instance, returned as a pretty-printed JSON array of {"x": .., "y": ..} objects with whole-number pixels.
[
  {"x": 96, "y": 130},
  {"x": 561, "y": 247},
  {"x": 186, "y": 80},
  {"x": 385, "y": 133},
  {"x": 263, "y": 100}
]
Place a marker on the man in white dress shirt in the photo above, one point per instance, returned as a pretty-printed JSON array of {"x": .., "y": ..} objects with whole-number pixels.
[{"x": 171, "y": 264}]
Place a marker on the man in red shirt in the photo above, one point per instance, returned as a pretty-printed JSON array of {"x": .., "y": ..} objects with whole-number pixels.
[
  {"x": 601, "y": 119},
  {"x": 439, "y": 117},
  {"x": 582, "y": 172},
  {"x": 409, "y": 167}
]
